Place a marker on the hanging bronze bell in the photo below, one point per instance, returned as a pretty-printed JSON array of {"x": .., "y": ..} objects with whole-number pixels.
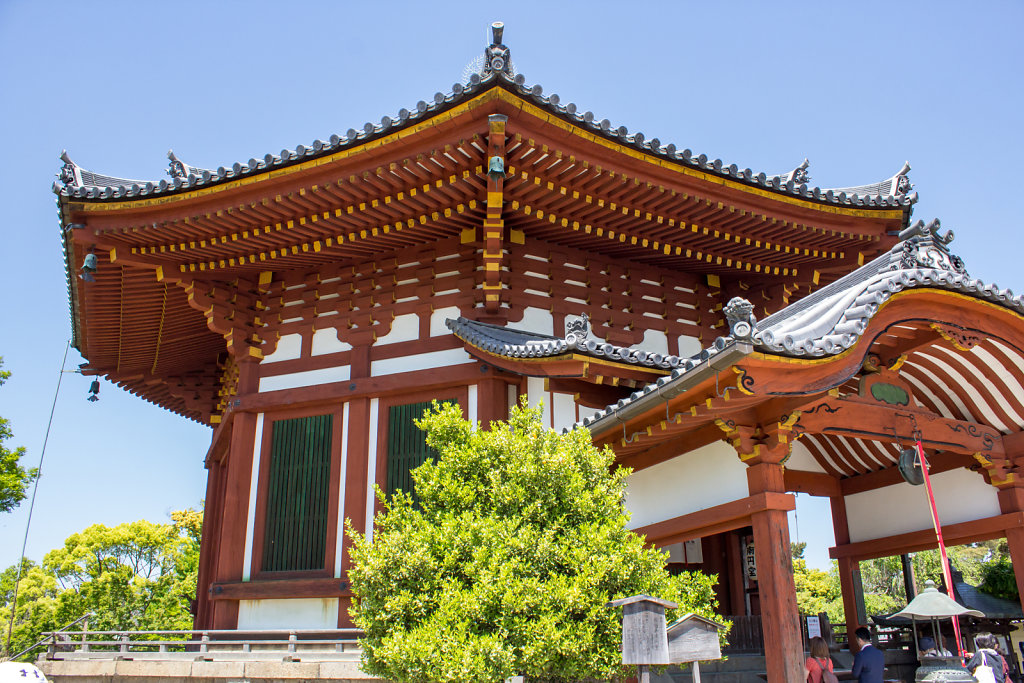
[{"x": 496, "y": 168}]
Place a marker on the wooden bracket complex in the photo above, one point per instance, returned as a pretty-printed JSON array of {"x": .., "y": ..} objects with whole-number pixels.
[
  {"x": 494, "y": 225},
  {"x": 757, "y": 444}
]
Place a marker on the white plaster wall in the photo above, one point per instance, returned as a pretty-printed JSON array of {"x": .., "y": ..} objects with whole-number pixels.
[
  {"x": 292, "y": 613},
  {"x": 438, "y": 318},
  {"x": 536, "y": 395},
  {"x": 254, "y": 480},
  {"x": 655, "y": 341},
  {"x": 537, "y": 320},
  {"x": 961, "y": 496},
  {"x": 371, "y": 470},
  {"x": 708, "y": 476},
  {"x": 326, "y": 341},
  {"x": 308, "y": 378},
  {"x": 688, "y": 346},
  {"x": 419, "y": 361},
  {"x": 801, "y": 459},
  {"x": 289, "y": 347},
  {"x": 404, "y": 328},
  {"x": 340, "y": 531},
  {"x": 472, "y": 405},
  {"x": 563, "y": 409}
]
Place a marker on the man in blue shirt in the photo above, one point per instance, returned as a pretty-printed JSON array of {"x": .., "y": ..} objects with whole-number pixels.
[{"x": 869, "y": 663}]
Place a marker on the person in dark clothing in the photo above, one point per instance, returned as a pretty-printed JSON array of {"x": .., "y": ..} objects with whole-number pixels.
[
  {"x": 985, "y": 655},
  {"x": 869, "y": 663}
]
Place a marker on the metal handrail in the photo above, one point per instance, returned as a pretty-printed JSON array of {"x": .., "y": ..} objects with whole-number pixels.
[
  {"x": 203, "y": 641},
  {"x": 52, "y": 635},
  {"x": 210, "y": 632}
]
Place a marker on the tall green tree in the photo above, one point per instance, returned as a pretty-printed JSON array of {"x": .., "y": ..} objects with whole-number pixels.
[
  {"x": 14, "y": 479},
  {"x": 133, "y": 576},
  {"x": 503, "y": 564}
]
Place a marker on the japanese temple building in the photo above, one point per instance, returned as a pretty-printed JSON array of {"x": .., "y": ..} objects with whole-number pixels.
[{"x": 734, "y": 336}]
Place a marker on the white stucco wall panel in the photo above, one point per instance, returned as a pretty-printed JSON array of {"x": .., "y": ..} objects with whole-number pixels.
[
  {"x": 700, "y": 479},
  {"x": 655, "y": 341},
  {"x": 536, "y": 395},
  {"x": 689, "y": 346},
  {"x": 289, "y": 347},
  {"x": 326, "y": 341},
  {"x": 419, "y": 361},
  {"x": 309, "y": 378},
  {"x": 961, "y": 496},
  {"x": 438, "y": 318},
  {"x": 404, "y": 328},
  {"x": 801, "y": 459},
  {"x": 563, "y": 411},
  {"x": 293, "y": 613},
  {"x": 537, "y": 320}
]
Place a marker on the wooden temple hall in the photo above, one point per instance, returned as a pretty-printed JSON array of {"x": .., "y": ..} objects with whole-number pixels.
[{"x": 734, "y": 336}]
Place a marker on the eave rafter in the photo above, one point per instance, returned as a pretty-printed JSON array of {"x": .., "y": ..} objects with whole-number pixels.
[
  {"x": 570, "y": 160},
  {"x": 630, "y": 203},
  {"x": 444, "y": 208}
]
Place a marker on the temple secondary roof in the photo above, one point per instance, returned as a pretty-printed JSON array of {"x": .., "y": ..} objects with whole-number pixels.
[
  {"x": 511, "y": 343},
  {"x": 829, "y": 321},
  {"x": 832, "y": 319},
  {"x": 826, "y": 322},
  {"x": 494, "y": 70}
]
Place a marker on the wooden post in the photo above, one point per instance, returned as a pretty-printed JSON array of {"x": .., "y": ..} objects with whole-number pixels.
[
  {"x": 1011, "y": 499},
  {"x": 849, "y": 583},
  {"x": 780, "y": 618},
  {"x": 235, "y": 520}
]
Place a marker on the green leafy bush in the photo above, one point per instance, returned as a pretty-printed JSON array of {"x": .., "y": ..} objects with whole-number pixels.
[{"x": 504, "y": 563}]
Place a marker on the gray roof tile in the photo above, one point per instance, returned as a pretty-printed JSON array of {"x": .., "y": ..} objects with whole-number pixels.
[
  {"x": 512, "y": 343},
  {"x": 493, "y": 69},
  {"x": 832, "y": 319}
]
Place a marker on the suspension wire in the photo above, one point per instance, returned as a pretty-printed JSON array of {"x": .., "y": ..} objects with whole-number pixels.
[{"x": 32, "y": 504}]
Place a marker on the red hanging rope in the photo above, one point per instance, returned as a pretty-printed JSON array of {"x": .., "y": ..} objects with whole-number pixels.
[{"x": 947, "y": 577}]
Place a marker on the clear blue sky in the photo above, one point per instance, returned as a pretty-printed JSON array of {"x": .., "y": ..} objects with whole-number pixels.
[{"x": 857, "y": 88}]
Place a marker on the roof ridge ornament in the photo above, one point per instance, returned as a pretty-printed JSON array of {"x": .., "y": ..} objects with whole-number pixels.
[
  {"x": 69, "y": 174},
  {"x": 577, "y": 330},
  {"x": 496, "y": 59},
  {"x": 740, "y": 314},
  {"x": 923, "y": 247},
  {"x": 497, "y": 56}
]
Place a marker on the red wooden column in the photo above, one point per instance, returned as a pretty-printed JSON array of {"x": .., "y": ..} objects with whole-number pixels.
[
  {"x": 356, "y": 489},
  {"x": 492, "y": 399},
  {"x": 236, "y": 472},
  {"x": 1011, "y": 499},
  {"x": 764, "y": 449},
  {"x": 235, "y": 516},
  {"x": 849, "y": 571},
  {"x": 1003, "y": 473}
]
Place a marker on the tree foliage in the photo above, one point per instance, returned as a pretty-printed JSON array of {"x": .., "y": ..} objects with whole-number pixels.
[
  {"x": 503, "y": 564},
  {"x": 133, "y": 576},
  {"x": 985, "y": 564},
  {"x": 14, "y": 479}
]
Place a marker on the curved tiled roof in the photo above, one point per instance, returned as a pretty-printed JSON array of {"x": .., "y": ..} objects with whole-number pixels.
[
  {"x": 518, "y": 344},
  {"x": 831, "y": 320},
  {"x": 496, "y": 71}
]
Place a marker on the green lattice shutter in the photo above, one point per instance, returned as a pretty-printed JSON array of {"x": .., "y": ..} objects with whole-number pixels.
[
  {"x": 298, "y": 489},
  {"x": 407, "y": 445}
]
